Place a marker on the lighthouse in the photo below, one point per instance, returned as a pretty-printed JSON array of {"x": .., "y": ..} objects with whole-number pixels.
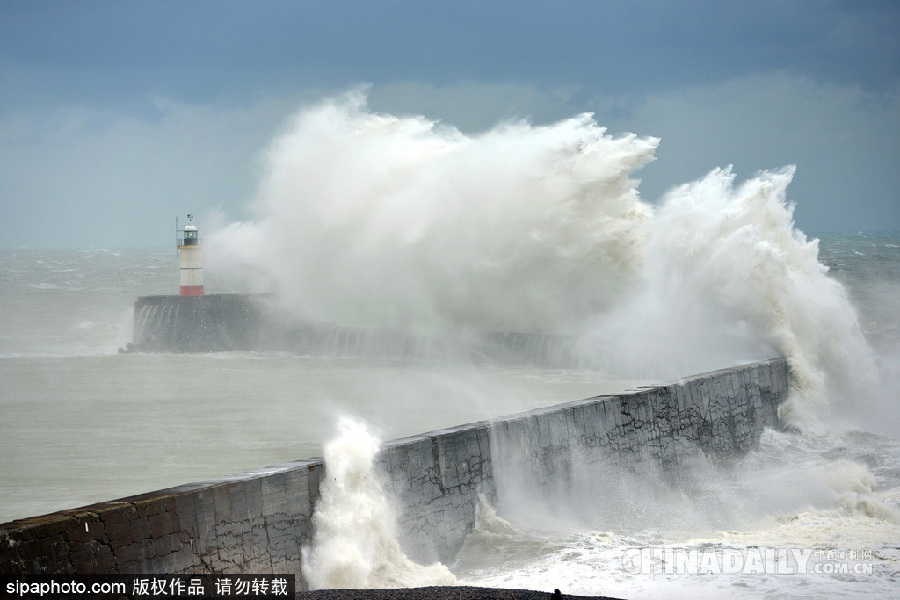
[{"x": 191, "y": 260}]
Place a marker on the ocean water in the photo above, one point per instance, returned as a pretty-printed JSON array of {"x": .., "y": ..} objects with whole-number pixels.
[{"x": 521, "y": 228}]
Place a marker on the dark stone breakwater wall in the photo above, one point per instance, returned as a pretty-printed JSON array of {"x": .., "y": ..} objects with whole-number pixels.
[
  {"x": 257, "y": 522},
  {"x": 214, "y": 322},
  {"x": 226, "y": 322}
]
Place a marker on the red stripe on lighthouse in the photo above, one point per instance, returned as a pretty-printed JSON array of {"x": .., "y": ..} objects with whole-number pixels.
[{"x": 192, "y": 290}]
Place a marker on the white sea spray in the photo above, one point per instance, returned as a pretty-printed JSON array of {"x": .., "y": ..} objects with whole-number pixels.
[
  {"x": 372, "y": 219},
  {"x": 355, "y": 542}
]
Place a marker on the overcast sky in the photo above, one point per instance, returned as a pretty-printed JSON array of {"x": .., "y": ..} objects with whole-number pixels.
[{"x": 117, "y": 116}]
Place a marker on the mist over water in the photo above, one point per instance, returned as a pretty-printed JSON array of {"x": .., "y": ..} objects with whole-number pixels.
[{"x": 372, "y": 219}]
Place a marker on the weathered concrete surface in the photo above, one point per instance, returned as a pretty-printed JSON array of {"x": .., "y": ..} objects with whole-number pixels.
[
  {"x": 257, "y": 522},
  {"x": 253, "y": 522},
  {"x": 660, "y": 429}
]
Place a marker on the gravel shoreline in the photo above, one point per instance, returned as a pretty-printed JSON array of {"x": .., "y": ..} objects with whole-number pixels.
[{"x": 440, "y": 593}]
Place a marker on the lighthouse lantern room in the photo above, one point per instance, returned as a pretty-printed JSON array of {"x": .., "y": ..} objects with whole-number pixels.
[{"x": 189, "y": 249}]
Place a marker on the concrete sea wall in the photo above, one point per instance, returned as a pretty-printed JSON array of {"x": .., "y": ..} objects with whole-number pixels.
[{"x": 257, "y": 522}]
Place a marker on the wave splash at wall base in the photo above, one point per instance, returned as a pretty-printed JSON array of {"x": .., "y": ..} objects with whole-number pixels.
[{"x": 355, "y": 541}]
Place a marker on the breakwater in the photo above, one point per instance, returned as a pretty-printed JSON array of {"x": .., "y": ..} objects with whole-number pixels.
[
  {"x": 257, "y": 522},
  {"x": 210, "y": 323},
  {"x": 227, "y": 322}
]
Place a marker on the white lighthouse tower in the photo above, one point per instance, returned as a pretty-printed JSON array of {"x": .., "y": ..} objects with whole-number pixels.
[{"x": 191, "y": 260}]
